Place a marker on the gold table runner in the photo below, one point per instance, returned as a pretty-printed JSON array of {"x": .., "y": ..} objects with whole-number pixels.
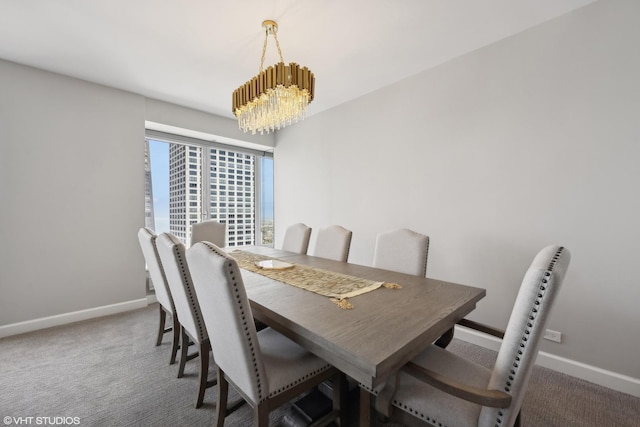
[{"x": 337, "y": 286}]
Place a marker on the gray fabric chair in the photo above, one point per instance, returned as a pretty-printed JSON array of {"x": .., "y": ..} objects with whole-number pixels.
[
  {"x": 173, "y": 256},
  {"x": 265, "y": 367},
  {"x": 209, "y": 231},
  {"x": 147, "y": 240},
  {"x": 296, "y": 238},
  {"x": 333, "y": 242},
  {"x": 441, "y": 388},
  {"x": 402, "y": 250},
  {"x": 405, "y": 251}
]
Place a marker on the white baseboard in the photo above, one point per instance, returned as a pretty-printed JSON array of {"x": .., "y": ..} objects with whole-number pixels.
[
  {"x": 75, "y": 316},
  {"x": 612, "y": 380}
]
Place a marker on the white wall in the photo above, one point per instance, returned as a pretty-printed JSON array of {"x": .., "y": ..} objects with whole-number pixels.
[
  {"x": 72, "y": 191},
  {"x": 72, "y": 194},
  {"x": 528, "y": 142},
  {"x": 186, "y": 121}
]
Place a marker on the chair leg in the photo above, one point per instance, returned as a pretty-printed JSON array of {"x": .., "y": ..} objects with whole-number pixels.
[
  {"x": 203, "y": 351},
  {"x": 223, "y": 390},
  {"x": 184, "y": 338},
  {"x": 261, "y": 415},
  {"x": 518, "y": 421},
  {"x": 163, "y": 317},
  {"x": 176, "y": 339}
]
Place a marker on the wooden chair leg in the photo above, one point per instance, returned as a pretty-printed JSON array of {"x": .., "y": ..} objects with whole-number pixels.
[
  {"x": 184, "y": 338},
  {"x": 163, "y": 317},
  {"x": 203, "y": 351},
  {"x": 223, "y": 390},
  {"x": 261, "y": 415},
  {"x": 176, "y": 339}
]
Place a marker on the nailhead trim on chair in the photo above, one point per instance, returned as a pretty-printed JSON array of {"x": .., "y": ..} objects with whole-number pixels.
[
  {"x": 527, "y": 331},
  {"x": 426, "y": 259},
  {"x": 187, "y": 279},
  {"x": 516, "y": 363},
  {"x": 154, "y": 237},
  {"x": 409, "y": 409},
  {"x": 412, "y": 411},
  {"x": 231, "y": 274},
  {"x": 349, "y": 244},
  {"x": 298, "y": 381},
  {"x": 262, "y": 398}
]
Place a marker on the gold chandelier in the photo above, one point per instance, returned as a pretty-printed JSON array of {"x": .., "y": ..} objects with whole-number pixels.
[{"x": 277, "y": 96}]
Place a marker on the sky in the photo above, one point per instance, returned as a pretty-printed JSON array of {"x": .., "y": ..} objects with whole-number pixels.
[
  {"x": 159, "y": 158},
  {"x": 267, "y": 189}
]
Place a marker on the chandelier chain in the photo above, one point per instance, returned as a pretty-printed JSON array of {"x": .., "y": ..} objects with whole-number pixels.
[
  {"x": 275, "y": 36},
  {"x": 277, "y": 96},
  {"x": 264, "y": 47}
]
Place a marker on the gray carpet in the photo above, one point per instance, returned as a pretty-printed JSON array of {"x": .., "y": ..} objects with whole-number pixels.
[{"x": 108, "y": 372}]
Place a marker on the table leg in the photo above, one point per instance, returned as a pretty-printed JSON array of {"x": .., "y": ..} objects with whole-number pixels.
[{"x": 340, "y": 399}]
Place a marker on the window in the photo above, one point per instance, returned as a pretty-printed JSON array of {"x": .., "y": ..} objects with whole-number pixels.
[{"x": 182, "y": 187}]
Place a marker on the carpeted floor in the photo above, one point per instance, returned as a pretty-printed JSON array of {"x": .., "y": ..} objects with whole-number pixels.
[{"x": 107, "y": 372}]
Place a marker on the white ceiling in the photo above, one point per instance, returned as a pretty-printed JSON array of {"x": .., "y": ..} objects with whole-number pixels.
[{"x": 196, "y": 52}]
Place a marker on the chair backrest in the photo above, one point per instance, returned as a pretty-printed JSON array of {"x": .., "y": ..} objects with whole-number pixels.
[
  {"x": 333, "y": 242},
  {"x": 402, "y": 250},
  {"x": 147, "y": 239},
  {"x": 209, "y": 231},
  {"x": 519, "y": 349},
  {"x": 228, "y": 317},
  {"x": 173, "y": 256},
  {"x": 296, "y": 238}
]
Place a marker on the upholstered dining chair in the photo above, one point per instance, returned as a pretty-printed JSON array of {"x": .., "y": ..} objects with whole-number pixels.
[
  {"x": 333, "y": 242},
  {"x": 402, "y": 250},
  {"x": 147, "y": 239},
  {"x": 209, "y": 231},
  {"x": 173, "y": 256},
  {"x": 440, "y": 388},
  {"x": 405, "y": 251},
  {"x": 265, "y": 367},
  {"x": 296, "y": 238}
]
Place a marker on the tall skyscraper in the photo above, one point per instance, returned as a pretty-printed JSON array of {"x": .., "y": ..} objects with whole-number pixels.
[
  {"x": 149, "y": 217},
  {"x": 212, "y": 183}
]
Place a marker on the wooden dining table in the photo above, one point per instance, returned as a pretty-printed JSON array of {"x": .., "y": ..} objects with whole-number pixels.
[{"x": 384, "y": 329}]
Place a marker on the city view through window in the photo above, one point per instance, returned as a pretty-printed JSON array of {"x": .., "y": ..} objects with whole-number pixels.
[{"x": 186, "y": 184}]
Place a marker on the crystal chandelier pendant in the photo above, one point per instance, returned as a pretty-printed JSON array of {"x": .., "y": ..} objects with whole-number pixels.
[{"x": 277, "y": 97}]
